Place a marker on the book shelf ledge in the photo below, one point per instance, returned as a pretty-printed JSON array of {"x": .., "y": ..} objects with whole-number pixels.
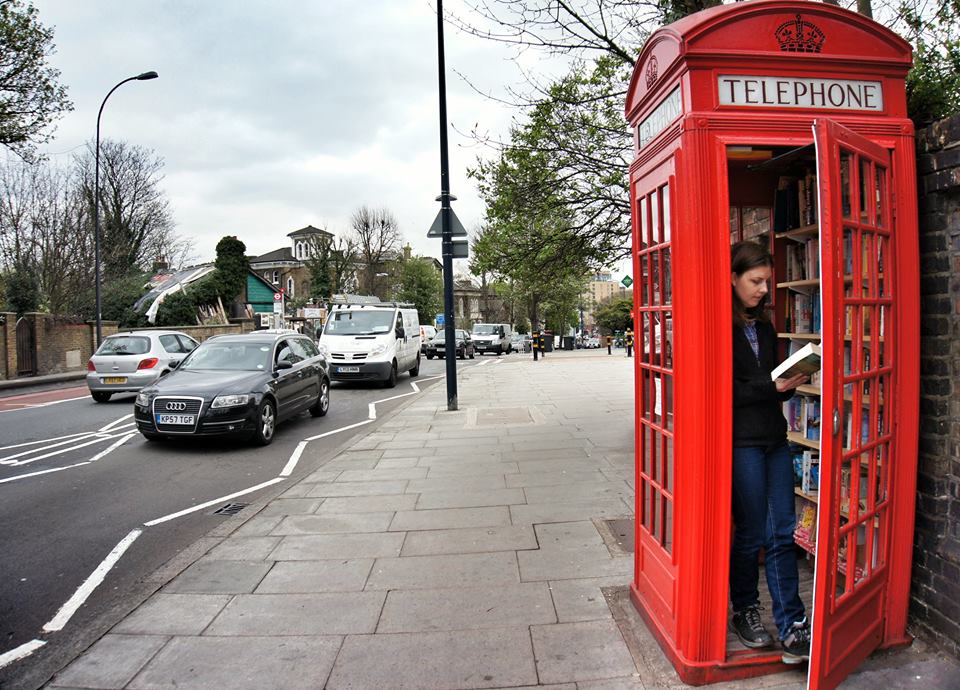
[
  {"x": 799, "y": 336},
  {"x": 801, "y": 233},
  {"x": 799, "y": 439},
  {"x": 801, "y": 285}
]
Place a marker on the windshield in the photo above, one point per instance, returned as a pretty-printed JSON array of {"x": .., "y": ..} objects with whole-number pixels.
[
  {"x": 359, "y": 322},
  {"x": 124, "y": 345},
  {"x": 485, "y": 329},
  {"x": 228, "y": 357}
]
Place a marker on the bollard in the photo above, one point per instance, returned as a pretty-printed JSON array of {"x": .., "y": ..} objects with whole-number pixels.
[
  {"x": 628, "y": 342},
  {"x": 534, "y": 344},
  {"x": 609, "y": 344}
]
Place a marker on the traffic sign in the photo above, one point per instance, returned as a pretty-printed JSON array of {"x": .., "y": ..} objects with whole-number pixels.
[
  {"x": 627, "y": 281},
  {"x": 278, "y": 297},
  {"x": 456, "y": 227},
  {"x": 439, "y": 320}
]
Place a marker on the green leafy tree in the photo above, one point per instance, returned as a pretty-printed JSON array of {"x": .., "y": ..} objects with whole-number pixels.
[
  {"x": 31, "y": 99},
  {"x": 232, "y": 268},
  {"x": 178, "y": 309},
  {"x": 933, "y": 85},
  {"x": 614, "y": 313},
  {"x": 117, "y": 300},
  {"x": 320, "y": 265},
  {"x": 23, "y": 288},
  {"x": 422, "y": 286}
]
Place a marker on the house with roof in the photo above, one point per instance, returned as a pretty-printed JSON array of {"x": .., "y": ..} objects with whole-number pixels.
[{"x": 286, "y": 267}]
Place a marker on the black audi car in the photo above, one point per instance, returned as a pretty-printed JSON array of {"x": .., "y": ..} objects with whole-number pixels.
[{"x": 237, "y": 384}]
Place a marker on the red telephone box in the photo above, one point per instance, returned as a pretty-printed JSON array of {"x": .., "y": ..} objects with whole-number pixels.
[{"x": 782, "y": 122}]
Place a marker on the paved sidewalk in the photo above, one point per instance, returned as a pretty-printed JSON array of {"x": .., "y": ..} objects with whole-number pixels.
[{"x": 445, "y": 550}]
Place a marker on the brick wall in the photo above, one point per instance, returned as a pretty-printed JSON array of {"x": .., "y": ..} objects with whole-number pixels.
[
  {"x": 8, "y": 345},
  {"x": 935, "y": 603},
  {"x": 201, "y": 333}
]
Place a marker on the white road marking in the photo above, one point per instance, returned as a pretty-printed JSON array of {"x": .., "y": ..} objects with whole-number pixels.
[
  {"x": 186, "y": 511},
  {"x": 91, "y": 583},
  {"x": 115, "y": 421},
  {"x": 372, "y": 411},
  {"x": 294, "y": 459},
  {"x": 58, "y": 452},
  {"x": 45, "y": 440},
  {"x": 337, "y": 431},
  {"x": 57, "y": 402},
  {"x": 26, "y": 649},
  {"x": 113, "y": 447},
  {"x": 6, "y": 460},
  {"x": 34, "y": 474}
]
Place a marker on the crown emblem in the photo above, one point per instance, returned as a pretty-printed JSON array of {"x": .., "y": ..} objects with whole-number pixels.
[
  {"x": 799, "y": 36},
  {"x": 651, "y": 73}
]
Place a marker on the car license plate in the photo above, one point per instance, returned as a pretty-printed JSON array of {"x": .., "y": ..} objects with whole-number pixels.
[
  {"x": 115, "y": 379},
  {"x": 348, "y": 370},
  {"x": 175, "y": 418}
]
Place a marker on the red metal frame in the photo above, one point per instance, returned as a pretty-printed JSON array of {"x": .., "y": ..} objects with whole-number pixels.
[{"x": 683, "y": 129}]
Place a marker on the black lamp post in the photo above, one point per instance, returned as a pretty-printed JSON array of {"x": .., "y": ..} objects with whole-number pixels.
[{"x": 96, "y": 200}]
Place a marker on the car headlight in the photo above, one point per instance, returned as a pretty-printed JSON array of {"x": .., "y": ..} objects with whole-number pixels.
[
  {"x": 378, "y": 349},
  {"x": 143, "y": 400},
  {"x": 324, "y": 351},
  {"x": 230, "y": 400}
]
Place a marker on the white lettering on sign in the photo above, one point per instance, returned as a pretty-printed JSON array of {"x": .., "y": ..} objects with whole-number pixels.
[
  {"x": 666, "y": 112},
  {"x": 800, "y": 92}
]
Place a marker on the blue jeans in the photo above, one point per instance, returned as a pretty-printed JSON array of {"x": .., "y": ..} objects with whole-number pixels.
[{"x": 764, "y": 515}]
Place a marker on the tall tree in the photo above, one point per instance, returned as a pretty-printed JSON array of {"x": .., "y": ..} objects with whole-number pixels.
[
  {"x": 421, "y": 285},
  {"x": 377, "y": 238},
  {"x": 232, "y": 268},
  {"x": 30, "y": 97},
  {"x": 136, "y": 224}
]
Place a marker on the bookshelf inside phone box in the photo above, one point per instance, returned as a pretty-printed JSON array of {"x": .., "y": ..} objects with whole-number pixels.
[{"x": 783, "y": 123}]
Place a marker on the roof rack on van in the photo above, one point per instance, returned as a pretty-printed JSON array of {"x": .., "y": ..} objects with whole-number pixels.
[{"x": 362, "y": 301}]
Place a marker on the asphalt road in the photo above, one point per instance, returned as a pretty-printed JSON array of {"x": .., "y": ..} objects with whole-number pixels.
[{"x": 82, "y": 492}]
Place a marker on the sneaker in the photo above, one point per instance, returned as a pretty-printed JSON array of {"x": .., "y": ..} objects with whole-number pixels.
[
  {"x": 749, "y": 628},
  {"x": 796, "y": 645}
]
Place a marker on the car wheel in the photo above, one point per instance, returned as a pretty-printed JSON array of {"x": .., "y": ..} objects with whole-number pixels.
[
  {"x": 462, "y": 354},
  {"x": 429, "y": 356},
  {"x": 472, "y": 354},
  {"x": 322, "y": 405},
  {"x": 266, "y": 423},
  {"x": 392, "y": 378},
  {"x": 499, "y": 350},
  {"x": 100, "y": 396},
  {"x": 416, "y": 369}
]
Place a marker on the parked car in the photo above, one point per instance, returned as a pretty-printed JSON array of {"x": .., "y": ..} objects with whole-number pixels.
[
  {"x": 237, "y": 384},
  {"x": 516, "y": 342},
  {"x": 426, "y": 335},
  {"x": 464, "y": 345},
  {"x": 126, "y": 362},
  {"x": 492, "y": 337}
]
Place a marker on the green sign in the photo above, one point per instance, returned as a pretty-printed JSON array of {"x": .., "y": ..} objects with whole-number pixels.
[{"x": 627, "y": 281}]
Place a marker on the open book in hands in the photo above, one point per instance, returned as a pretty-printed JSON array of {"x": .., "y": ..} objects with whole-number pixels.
[{"x": 806, "y": 360}]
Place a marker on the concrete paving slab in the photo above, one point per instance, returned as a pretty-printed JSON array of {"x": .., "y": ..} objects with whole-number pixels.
[
  {"x": 305, "y": 577},
  {"x": 461, "y": 456},
  {"x": 629, "y": 683},
  {"x": 357, "y": 488},
  {"x": 450, "y": 518},
  {"x": 219, "y": 577},
  {"x": 578, "y": 493},
  {"x": 347, "y": 523},
  {"x": 324, "y": 546},
  {"x": 565, "y": 512},
  {"x": 470, "y": 499},
  {"x": 572, "y": 564},
  {"x": 239, "y": 548},
  {"x": 575, "y": 534},
  {"x": 173, "y": 614},
  {"x": 396, "y": 463},
  {"x": 241, "y": 663},
  {"x": 401, "y": 453},
  {"x": 437, "y": 572},
  {"x": 322, "y": 613},
  {"x": 554, "y": 478},
  {"x": 593, "y": 650},
  {"x": 367, "y": 504},
  {"x": 474, "y": 469},
  {"x": 469, "y": 540},
  {"x": 435, "y": 661},
  {"x": 467, "y": 608},
  {"x": 110, "y": 663},
  {"x": 382, "y": 474},
  {"x": 539, "y": 464},
  {"x": 582, "y": 600},
  {"x": 290, "y": 506},
  {"x": 476, "y": 483},
  {"x": 258, "y": 526}
]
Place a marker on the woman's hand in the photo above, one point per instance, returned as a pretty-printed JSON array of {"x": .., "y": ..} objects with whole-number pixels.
[{"x": 789, "y": 384}]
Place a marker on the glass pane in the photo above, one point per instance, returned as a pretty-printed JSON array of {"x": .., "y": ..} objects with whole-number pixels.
[
  {"x": 846, "y": 477},
  {"x": 647, "y": 507},
  {"x": 843, "y": 560},
  {"x": 866, "y": 180},
  {"x": 668, "y": 339},
  {"x": 655, "y": 513},
  {"x": 654, "y": 451},
  {"x": 881, "y": 250},
  {"x": 734, "y": 224},
  {"x": 666, "y": 213},
  {"x": 667, "y": 285},
  {"x": 655, "y": 219},
  {"x": 668, "y": 459},
  {"x": 851, "y": 328},
  {"x": 657, "y": 399},
  {"x": 881, "y": 182},
  {"x": 655, "y": 276},
  {"x": 668, "y": 527},
  {"x": 644, "y": 277},
  {"x": 867, "y": 325},
  {"x": 644, "y": 224},
  {"x": 869, "y": 270},
  {"x": 644, "y": 340},
  {"x": 845, "y": 201},
  {"x": 668, "y": 402},
  {"x": 645, "y": 450}
]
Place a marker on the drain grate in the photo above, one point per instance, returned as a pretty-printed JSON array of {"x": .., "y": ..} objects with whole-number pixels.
[
  {"x": 230, "y": 509},
  {"x": 622, "y": 533}
]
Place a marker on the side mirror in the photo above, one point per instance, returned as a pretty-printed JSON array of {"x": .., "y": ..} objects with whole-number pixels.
[
  {"x": 175, "y": 363},
  {"x": 283, "y": 364},
  {"x": 400, "y": 332}
]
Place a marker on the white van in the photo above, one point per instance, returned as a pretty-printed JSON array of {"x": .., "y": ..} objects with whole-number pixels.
[
  {"x": 371, "y": 341},
  {"x": 492, "y": 337}
]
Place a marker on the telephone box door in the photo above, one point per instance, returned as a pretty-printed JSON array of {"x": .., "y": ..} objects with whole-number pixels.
[{"x": 853, "y": 524}]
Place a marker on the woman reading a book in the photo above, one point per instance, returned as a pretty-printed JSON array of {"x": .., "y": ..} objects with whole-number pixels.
[{"x": 763, "y": 502}]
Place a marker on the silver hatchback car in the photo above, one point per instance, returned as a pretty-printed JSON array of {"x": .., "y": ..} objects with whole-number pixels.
[{"x": 127, "y": 362}]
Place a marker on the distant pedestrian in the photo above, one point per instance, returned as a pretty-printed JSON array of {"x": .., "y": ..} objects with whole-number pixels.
[{"x": 628, "y": 341}]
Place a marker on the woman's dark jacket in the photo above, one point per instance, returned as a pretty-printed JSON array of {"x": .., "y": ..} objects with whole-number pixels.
[{"x": 757, "y": 406}]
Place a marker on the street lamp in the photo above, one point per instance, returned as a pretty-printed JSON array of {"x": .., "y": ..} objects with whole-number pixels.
[{"x": 96, "y": 200}]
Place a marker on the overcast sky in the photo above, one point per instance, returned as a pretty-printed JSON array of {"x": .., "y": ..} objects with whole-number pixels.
[{"x": 275, "y": 115}]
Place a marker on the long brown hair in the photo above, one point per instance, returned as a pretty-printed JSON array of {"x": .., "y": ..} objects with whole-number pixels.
[{"x": 744, "y": 256}]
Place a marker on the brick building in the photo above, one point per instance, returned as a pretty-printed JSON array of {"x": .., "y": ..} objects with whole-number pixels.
[{"x": 286, "y": 267}]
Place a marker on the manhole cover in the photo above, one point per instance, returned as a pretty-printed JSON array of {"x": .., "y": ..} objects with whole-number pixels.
[{"x": 622, "y": 531}]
